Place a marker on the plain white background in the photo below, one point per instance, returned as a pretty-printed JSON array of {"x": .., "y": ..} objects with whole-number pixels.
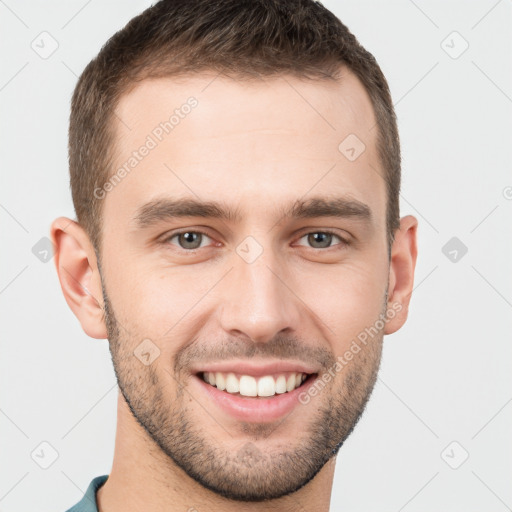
[{"x": 444, "y": 391}]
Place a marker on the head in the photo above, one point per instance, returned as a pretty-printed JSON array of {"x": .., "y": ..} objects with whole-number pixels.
[{"x": 235, "y": 170}]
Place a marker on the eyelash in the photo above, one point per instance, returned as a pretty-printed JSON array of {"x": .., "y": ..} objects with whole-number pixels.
[{"x": 344, "y": 242}]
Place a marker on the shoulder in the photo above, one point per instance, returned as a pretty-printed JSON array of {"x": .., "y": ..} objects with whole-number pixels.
[{"x": 88, "y": 501}]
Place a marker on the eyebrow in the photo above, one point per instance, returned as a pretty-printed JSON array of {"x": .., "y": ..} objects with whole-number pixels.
[{"x": 166, "y": 209}]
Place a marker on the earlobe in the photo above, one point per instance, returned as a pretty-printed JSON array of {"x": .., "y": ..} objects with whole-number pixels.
[
  {"x": 77, "y": 268},
  {"x": 401, "y": 273}
]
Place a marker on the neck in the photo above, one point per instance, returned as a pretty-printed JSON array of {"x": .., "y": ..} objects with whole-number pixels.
[{"x": 144, "y": 478}]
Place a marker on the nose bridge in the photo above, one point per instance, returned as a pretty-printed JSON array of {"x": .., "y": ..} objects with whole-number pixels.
[{"x": 257, "y": 303}]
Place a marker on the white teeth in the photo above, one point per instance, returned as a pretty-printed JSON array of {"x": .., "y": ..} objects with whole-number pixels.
[
  {"x": 266, "y": 386},
  {"x": 220, "y": 381},
  {"x": 290, "y": 383},
  {"x": 248, "y": 385},
  {"x": 281, "y": 384},
  {"x": 232, "y": 383}
]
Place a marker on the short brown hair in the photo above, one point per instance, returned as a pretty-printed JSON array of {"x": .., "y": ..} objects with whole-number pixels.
[{"x": 241, "y": 38}]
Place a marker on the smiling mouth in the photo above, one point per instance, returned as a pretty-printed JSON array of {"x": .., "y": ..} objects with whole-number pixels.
[{"x": 265, "y": 386}]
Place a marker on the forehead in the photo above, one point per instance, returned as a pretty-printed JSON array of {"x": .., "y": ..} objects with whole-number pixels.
[{"x": 250, "y": 143}]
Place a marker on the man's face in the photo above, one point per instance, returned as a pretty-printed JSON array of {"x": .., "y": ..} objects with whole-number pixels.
[{"x": 264, "y": 286}]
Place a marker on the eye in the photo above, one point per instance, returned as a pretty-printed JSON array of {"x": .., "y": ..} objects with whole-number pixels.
[
  {"x": 323, "y": 239},
  {"x": 189, "y": 239}
]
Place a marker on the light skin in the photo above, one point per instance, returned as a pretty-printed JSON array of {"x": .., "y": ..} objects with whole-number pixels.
[{"x": 254, "y": 148}]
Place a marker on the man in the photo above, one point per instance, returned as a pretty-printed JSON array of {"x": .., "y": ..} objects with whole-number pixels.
[{"x": 235, "y": 170}]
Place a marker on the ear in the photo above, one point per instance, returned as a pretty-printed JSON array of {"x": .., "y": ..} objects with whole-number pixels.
[
  {"x": 77, "y": 268},
  {"x": 401, "y": 273}
]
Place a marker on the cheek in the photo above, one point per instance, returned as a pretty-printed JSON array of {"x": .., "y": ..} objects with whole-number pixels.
[
  {"x": 161, "y": 303},
  {"x": 347, "y": 299}
]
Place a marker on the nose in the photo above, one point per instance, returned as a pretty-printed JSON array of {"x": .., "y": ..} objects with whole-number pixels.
[{"x": 258, "y": 301}]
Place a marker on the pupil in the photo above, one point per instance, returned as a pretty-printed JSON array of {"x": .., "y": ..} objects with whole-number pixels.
[
  {"x": 190, "y": 240},
  {"x": 323, "y": 238}
]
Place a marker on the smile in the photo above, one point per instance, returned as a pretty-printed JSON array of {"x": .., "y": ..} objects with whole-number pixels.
[
  {"x": 248, "y": 385},
  {"x": 261, "y": 398}
]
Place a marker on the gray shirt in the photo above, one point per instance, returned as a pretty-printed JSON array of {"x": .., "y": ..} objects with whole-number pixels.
[{"x": 88, "y": 501}]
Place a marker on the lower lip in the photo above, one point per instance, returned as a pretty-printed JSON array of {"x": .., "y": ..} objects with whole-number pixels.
[{"x": 256, "y": 409}]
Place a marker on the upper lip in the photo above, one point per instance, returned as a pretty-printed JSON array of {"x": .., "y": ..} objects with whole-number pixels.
[{"x": 252, "y": 368}]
